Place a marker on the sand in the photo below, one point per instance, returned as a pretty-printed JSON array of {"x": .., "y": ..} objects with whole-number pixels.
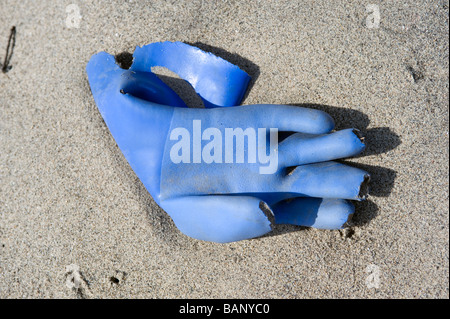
[{"x": 75, "y": 221}]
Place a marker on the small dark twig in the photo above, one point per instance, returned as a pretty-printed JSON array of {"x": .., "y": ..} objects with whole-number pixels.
[{"x": 9, "y": 50}]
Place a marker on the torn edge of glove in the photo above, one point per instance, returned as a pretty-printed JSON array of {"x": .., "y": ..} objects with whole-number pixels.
[{"x": 218, "y": 82}]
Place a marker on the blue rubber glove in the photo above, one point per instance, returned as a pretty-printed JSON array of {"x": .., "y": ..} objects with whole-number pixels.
[{"x": 220, "y": 171}]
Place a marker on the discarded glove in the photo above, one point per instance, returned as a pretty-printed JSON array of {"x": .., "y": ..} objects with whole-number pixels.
[{"x": 220, "y": 171}]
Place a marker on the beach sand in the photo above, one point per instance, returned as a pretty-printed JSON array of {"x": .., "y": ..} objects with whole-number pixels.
[{"x": 76, "y": 222}]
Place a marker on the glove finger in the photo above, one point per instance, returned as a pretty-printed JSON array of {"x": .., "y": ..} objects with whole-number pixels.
[
  {"x": 148, "y": 86},
  {"x": 323, "y": 213},
  {"x": 327, "y": 180},
  {"x": 108, "y": 80},
  {"x": 218, "y": 218},
  {"x": 284, "y": 118},
  {"x": 300, "y": 148}
]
